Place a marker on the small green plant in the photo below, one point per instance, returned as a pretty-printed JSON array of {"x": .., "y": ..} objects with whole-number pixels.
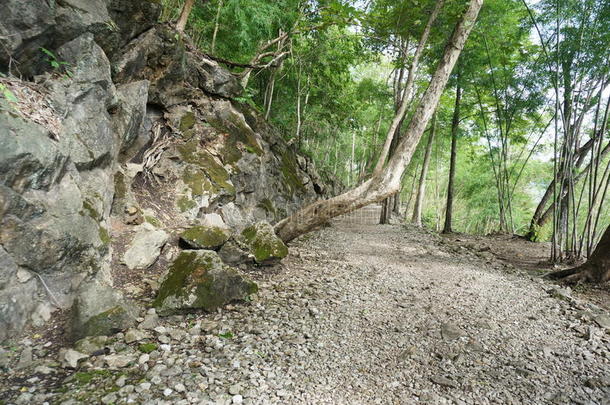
[
  {"x": 247, "y": 98},
  {"x": 147, "y": 347},
  {"x": 226, "y": 335},
  {"x": 8, "y": 94},
  {"x": 55, "y": 63},
  {"x": 260, "y": 354}
]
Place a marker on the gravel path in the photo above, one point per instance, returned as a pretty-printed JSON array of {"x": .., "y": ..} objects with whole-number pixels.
[{"x": 360, "y": 314}]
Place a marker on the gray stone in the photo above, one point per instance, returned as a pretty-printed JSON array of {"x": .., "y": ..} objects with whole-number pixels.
[
  {"x": 132, "y": 98},
  {"x": 88, "y": 132},
  {"x": 602, "y": 320},
  {"x": 135, "y": 335},
  {"x": 101, "y": 310},
  {"x": 172, "y": 67},
  {"x": 443, "y": 381},
  {"x": 264, "y": 244},
  {"x": 561, "y": 293},
  {"x": 41, "y": 314},
  {"x": 199, "y": 280},
  {"x": 25, "y": 360},
  {"x": 24, "y": 28},
  {"x": 233, "y": 252},
  {"x": 213, "y": 220},
  {"x": 91, "y": 344},
  {"x": 70, "y": 357},
  {"x": 145, "y": 247},
  {"x": 450, "y": 331},
  {"x": 150, "y": 321},
  {"x": 119, "y": 360},
  {"x": 232, "y": 216}
]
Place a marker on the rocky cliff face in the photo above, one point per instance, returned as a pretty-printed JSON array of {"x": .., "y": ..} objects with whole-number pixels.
[{"x": 122, "y": 136}]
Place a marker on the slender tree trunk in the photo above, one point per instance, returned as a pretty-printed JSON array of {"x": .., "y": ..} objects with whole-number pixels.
[
  {"x": 421, "y": 189},
  {"x": 412, "y": 191},
  {"x": 216, "y": 25},
  {"x": 402, "y": 110},
  {"x": 396, "y": 208},
  {"x": 387, "y": 182},
  {"x": 544, "y": 214},
  {"x": 388, "y": 203},
  {"x": 269, "y": 94},
  {"x": 455, "y": 123},
  {"x": 298, "y": 130},
  {"x": 184, "y": 15},
  {"x": 351, "y": 162}
]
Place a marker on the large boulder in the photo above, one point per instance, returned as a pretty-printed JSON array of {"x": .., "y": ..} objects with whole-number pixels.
[
  {"x": 145, "y": 247},
  {"x": 101, "y": 310},
  {"x": 264, "y": 244},
  {"x": 199, "y": 280},
  {"x": 234, "y": 252},
  {"x": 132, "y": 98},
  {"x": 26, "y": 26},
  {"x": 175, "y": 73}
]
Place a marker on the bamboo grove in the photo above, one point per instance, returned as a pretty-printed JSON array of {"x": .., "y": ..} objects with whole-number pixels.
[{"x": 519, "y": 140}]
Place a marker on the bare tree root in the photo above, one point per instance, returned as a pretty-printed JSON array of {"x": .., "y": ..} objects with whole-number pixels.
[{"x": 574, "y": 275}]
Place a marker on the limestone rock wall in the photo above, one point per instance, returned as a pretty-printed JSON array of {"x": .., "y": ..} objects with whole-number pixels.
[{"x": 147, "y": 130}]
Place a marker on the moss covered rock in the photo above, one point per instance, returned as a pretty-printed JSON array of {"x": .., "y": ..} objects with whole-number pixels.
[
  {"x": 199, "y": 280},
  {"x": 264, "y": 244},
  {"x": 205, "y": 237},
  {"x": 101, "y": 310}
]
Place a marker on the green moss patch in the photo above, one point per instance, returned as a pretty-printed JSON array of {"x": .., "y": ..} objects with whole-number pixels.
[
  {"x": 120, "y": 188},
  {"x": 238, "y": 131},
  {"x": 187, "y": 122},
  {"x": 192, "y": 153},
  {"x": 84, "y": 378},
  {"x": 205, "y": 237},
  {"x": 267, "y": 205},
  {"x": 92, "y": 212},
  {"x": 104, "y": 235},
  {"x": 153, "y": 221},
  {"x": 184, "y": 204},
  {"x": 199, "y": 280},
  {"x": 264, "y": 244},
  {"x": 106, "y": 323},
  {"x": 197, "y": 181},
  {"x": 289, "y": 169},
  {"x": 230, "y": 152},
  {"x": 147, "y": 347}
]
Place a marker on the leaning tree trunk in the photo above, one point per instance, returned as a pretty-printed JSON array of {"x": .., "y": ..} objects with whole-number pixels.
[
  {"x": 390, "y": 204},
  {"x": 404, "y": 102},
  {"x": 387, "y": 182},
  {"x": 454, "y": 132},
  {"x": 421, "y": 189},
  {"x": 184, "y": 15},
  {"x": 596, "y": 269}
]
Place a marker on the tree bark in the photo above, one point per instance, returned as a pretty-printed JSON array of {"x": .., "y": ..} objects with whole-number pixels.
[
  {"x": 216, "y": 25},
  {"x": 544, "y": 214},
  {"x": 387, "y": 182},
  {"x": 596, "y": 269},
  {"x": 396, "y": 208},
  {"x": 421, "y": 189},
  {"x": 184, "y": 15},
  {"x": 455, "y": 123},
  {"x": 402, "y": 110}
]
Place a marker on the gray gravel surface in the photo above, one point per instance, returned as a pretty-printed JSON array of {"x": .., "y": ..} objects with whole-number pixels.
[{"x": 364, "y": 314}]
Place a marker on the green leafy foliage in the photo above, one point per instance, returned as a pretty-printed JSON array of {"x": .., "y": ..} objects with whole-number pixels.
[
  {"x": 334, "y": 92},
  {"x": 57, "y": 65}
]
